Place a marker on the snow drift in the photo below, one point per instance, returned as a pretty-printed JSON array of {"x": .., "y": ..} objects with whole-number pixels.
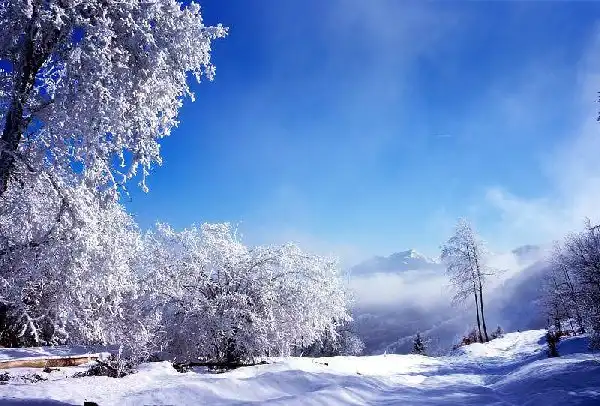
[{"x": 510, "y": 370}]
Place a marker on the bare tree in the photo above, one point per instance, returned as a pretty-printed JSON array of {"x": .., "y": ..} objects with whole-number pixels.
[
  {"x": 555, "y": 300},
  {"x": 464, "y": 255},
  {"x": 575, "y": 278},
  {"x": 562, "y": 293}
]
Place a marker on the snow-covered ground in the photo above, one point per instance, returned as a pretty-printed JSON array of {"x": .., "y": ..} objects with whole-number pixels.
[{"x": 512, "y": 370}]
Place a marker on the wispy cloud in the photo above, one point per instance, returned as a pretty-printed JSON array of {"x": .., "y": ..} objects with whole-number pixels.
[
  {"x": 356, "y": 75},
  {"x": 419, "y": 288},
  {"x": 572, "y": 169},
  {"x": 338, "y": 146}
]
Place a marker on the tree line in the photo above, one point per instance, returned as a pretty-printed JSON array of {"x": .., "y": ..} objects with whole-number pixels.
[{"x": 572, "y": 286}]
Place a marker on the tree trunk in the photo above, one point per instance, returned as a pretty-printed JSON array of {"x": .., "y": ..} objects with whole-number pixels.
[
  {"x": 230, "y": 353},
  {"x": 30, "y": 61},
  {"x": 478, "y": 321},
  {"x": 10, "y": 142},
  {"x": 482, "y": 316},
  {"x": 479, "y": 276},
  {"x": 15, "y": 122}
]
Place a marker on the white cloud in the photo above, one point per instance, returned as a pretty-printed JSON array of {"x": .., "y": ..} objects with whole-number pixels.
[
  {"x": 573, "y": 169},
  {"x": 418, "y": 288}
]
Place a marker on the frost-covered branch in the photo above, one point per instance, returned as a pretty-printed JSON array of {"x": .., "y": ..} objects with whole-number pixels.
[
  {"x": 241, "y": 303},
  {"x": 90, "y": 81},
  {"x": 465, "y": 257}
]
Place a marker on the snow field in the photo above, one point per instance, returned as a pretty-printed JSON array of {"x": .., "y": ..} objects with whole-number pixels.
[{"x": 512, "y": 370}]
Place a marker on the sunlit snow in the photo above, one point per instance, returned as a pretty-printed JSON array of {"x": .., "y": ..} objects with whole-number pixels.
[{"x": 512, "y": 370}]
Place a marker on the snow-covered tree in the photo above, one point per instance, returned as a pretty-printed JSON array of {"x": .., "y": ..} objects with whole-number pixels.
[
  {"x": 575, "y": 280},
  {"x": 419, "y": 345},
  {"x": 344, "y": 342},
  {"x": 227, "y": 302},
  {"x": 562, "y": 290},
  {"x": 87, "y": 83},
  {"x": 465, "y": 255},
  {"x": 65, "y": 265},
  {"x": 350, "y": 344},
  {"x": 557, "y": 300}
]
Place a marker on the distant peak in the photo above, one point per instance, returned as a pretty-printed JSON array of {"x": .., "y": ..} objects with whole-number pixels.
[
  {"x": 397, "y": 262},
  {"x": 526, "y": 249},
  {"x": 410, "y": 254},
  {"x": 529, "y": 252}
]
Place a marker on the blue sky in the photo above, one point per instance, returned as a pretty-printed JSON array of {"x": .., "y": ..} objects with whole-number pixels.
[{"x": 368, "y": 127}]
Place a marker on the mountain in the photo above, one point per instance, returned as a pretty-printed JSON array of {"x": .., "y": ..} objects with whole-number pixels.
[
  {"x": 406, "y": 292},
  {"x": 517, "y": 303},
  {"x": 529, "y": 253},
  {"x": 398, "y": 262}
]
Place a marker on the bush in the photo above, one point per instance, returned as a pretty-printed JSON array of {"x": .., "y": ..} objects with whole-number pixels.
[
  {"x": 5, "y": 377},
  {"x": 498, "y": 333},
  {"x": 343, "y": 342},
  {"x": 351, "y": 344},
  {"x": 116, "y": 366},
  {"x": 469, "y": 338},
  {"x": 65, "y": 267},
  {"x": 223, "y": 302},
  {"x": 594, "y": 339}
]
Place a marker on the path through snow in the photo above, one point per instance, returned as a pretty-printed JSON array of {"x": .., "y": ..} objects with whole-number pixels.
[{"x": 512, "y": 370}]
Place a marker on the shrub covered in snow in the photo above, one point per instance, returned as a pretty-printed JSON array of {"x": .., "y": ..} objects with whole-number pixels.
[
  {"x": 227, "y": 302},
  {"x": 498, "y": 333},
  {"x": 470, "y": 337},
  {"x": 115, "y": 366},
  {"x": 345, "y": 342}
]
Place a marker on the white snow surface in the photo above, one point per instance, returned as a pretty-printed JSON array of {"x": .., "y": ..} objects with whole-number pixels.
[{"x": 512, "y": 370}]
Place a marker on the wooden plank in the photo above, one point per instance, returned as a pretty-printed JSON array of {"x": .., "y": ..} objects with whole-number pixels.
[{"x": 48, "y": 362}]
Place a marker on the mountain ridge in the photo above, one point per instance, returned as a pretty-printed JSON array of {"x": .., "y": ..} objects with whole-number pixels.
[{"x": 397, "y": 262}]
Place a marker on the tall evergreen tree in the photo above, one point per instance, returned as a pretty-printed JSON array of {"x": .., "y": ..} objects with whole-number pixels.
[{"x": 419, "y": 345}]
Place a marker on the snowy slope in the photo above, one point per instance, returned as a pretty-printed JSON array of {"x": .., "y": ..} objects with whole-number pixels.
[
  {"x": 508, "y": 371},
  {"x": 391, "y": 306}
]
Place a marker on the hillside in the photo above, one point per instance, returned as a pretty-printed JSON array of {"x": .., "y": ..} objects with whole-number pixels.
[
  {"x": 406, "y": 292},
  {"x": 507, "y": 371}
]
